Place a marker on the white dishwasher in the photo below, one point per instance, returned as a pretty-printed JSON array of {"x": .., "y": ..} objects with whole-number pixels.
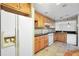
[
  {"x": 50, "y": 39},
  {"x": 71, "y": 39}
]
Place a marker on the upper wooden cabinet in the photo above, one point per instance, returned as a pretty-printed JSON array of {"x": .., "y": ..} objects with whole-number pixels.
[
  {"x": 19, "y": 8},
  {"x": 14, "y": 6},
  {"x": 39, "y": 20},
  {"x": 25, "y": 8},
  {"x": 42, "y": 21},
  {"x": 0, "y": 6}
]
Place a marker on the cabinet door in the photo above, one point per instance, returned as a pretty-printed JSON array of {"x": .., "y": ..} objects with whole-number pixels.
[
  {"x": 46, "y": 40},
  {"x": 41, "y": 42},
  {"x": 37, "y": 44},
  {"x": 25, "y": 8},
  {"x": 0, "y": 6},
  {"x": 61, "y": 36},
  {"x": 64, "y": 37},
  {"x": 40, "y": 21},
  {"x": 14, "y": 6},
  {"x": 36, "y": 19},
  {"x": 55, "y": 36}
]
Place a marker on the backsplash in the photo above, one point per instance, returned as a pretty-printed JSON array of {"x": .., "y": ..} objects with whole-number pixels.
[{"x": 44, "y": 31}]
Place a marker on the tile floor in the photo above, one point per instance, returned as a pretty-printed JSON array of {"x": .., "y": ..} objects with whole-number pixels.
[{"x": 56, "y": 49}]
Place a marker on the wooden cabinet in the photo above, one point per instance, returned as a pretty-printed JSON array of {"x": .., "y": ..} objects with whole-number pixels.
[
  {"x": 25, "y": 8},
  {"x": 37, "y": 44},
  {"x": 14, "y": 6},
  {"x": 60, "y": 36},
  {"x": 19, "y": 8},
  {"x": 45, "y": 40},
  {"x": 40, "y": 42},
  {"x": 42, "y": 21},
  {"x": 0, "y": 6},
  {"x": 39, "y": 20},
  {"x": 41, "y": 38},
  {"x": 55, "y": 36},
  {"x": 64, "y": 37}
]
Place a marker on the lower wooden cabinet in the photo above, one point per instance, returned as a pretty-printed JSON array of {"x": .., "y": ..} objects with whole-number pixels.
[
  {"x": 40, "y": 42},
  {"x": 41, "y": 38},
  {"x": 37, "y": 44},
  {"x": 45, "y": 40},
  {"x": 60, "y": 36}
]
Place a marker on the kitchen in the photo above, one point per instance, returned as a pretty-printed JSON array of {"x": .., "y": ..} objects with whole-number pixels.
[
  {"x": 39, "y": 29},
  {"x": 60, "y": 29}
]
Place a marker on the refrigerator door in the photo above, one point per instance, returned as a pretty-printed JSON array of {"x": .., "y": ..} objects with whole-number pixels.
[
  {"x": 7, "y": 30},
  {"x": 25, "y": 36}
]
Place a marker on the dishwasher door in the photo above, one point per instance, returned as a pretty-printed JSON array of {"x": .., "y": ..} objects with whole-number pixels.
[{"x": 50, "y": 39}]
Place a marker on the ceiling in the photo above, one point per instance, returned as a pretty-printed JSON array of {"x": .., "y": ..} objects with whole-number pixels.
[{"x": 57, "y": 11}]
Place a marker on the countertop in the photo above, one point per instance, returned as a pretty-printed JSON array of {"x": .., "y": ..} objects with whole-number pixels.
[
  {"x": 43, "y": 34},
  {"x": 68, "y": 32}
]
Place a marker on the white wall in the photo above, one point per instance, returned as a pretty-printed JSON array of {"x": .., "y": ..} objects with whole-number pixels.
[
  {"x": 8, "y": 28},
  {"x": 63, "y": 25},
  {"x": 25, "y": 36}
]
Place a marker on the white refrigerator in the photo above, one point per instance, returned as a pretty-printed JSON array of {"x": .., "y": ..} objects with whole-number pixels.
[
  {"x": 23, "y": 28},
  {"x": 25, "y": 36}
]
